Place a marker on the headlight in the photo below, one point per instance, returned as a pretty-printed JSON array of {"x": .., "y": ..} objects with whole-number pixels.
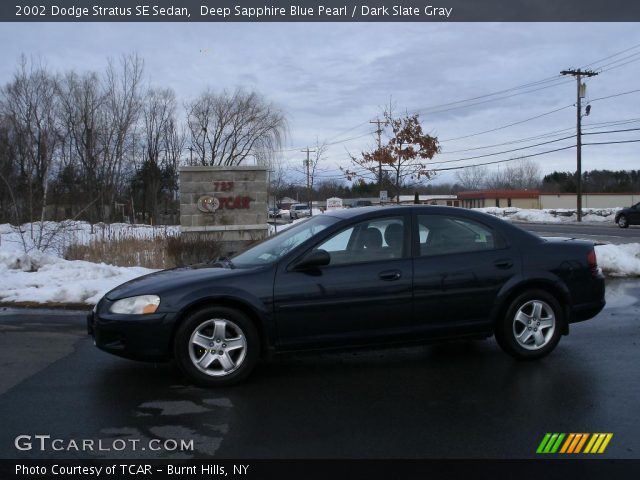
[{"x": 136, "y": 305}]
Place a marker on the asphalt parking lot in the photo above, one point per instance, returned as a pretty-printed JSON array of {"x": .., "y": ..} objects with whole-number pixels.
[{"x": 464, "y": 399}]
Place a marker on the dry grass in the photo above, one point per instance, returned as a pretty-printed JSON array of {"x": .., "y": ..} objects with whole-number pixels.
[
  {"x": 126, "y": 252},
  {"x": 162, "y": 251}
]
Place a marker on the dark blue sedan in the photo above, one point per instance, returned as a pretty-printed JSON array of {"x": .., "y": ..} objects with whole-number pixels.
[{"x": 352, "y": 278}]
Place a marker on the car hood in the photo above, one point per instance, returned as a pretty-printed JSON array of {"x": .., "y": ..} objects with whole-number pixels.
[{"x": 159, "y": 282}]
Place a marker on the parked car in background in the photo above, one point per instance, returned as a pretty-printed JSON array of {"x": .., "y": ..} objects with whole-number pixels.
[
  {"x": 299, "y": 210},
  {"x": 361, "y": 203},
  {"x": 357, "y": 277},
  {"x": 628, "y": 216},
  {"x": 274, "y": 212}
]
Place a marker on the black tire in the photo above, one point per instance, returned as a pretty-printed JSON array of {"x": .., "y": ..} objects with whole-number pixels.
[
  {"x": 508, "y": 329},
  {"x": 212, "y": 373},
  {"x": 623, "y": 222}
]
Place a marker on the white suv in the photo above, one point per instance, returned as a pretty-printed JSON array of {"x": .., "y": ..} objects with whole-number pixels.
[{"x": 299, "y": 210}]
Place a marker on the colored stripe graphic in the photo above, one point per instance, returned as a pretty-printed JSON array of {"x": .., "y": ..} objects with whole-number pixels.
[
  {"x": 550, "y": 443},
  {"x": 568, "y": 442},
  {"x": 543, "y": 443},
  {"x": 574, "y": 443},
  {"x": 581, "y": 442},
  {"x": 598, "y": 443}
]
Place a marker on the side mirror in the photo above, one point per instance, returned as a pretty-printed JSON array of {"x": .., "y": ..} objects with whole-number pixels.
[{"x": 315, "y": 259}]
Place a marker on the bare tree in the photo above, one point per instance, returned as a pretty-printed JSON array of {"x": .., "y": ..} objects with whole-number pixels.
[
  {"x": 174, "y": 145},
  {"x": 226, "y": 129},
  {"x": 472, "y": 178},
  {"x": 122, "y": 108},
  {"x": 99, "y": 115},
  {"x": 81, "y": 102},
  {"x": 30, "y": 105},
  {"x": 277, "y": 179},
  {"x": 158, "y": 112},
  {"x": 520, "y": 174}
]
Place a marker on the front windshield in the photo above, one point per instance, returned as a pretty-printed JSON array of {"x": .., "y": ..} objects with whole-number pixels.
[{"x": 274, "y": 248}]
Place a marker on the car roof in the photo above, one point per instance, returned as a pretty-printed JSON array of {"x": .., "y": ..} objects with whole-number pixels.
[
  {"x": 391, "y": 210},
  {"x": 375, "y": 211}
]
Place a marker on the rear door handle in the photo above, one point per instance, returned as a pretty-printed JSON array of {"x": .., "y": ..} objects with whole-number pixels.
[
  {"x": 504, "y": 263},
  {"x": 390, "y": 275}
]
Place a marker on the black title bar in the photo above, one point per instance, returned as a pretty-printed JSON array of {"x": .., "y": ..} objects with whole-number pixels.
[
  {"x": 320, "y": 11},
  {"x": 318, "y": 469}
]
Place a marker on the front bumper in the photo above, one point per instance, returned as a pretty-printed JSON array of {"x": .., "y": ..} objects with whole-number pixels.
[{"x": 137, "y": 337}]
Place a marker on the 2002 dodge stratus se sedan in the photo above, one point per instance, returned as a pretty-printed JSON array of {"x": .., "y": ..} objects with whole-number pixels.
[{"x": 353, "y": 278}]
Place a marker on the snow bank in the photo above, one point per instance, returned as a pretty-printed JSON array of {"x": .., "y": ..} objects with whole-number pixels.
[
  {"x": 619, "y": 260},
  {"x": 55, "y": 237},
  {"x": 558, "y": 215},
  {"x": 41, "y": 278}
]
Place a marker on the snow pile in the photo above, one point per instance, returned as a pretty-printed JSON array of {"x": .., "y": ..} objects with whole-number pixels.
[
  {"x": 55, "y": 237},
  {"x": 41, "y": 278},
  {"x": 558, "y": 215},
  {"x": 619, "y": 260}
]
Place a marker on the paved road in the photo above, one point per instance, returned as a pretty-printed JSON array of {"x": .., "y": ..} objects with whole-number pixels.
[
  {"x": 464, "y": 399},
  {"x": 597, "y": 233}
]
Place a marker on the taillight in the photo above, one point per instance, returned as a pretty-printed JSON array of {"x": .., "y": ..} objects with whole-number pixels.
[{"x": 592, "y": 261}]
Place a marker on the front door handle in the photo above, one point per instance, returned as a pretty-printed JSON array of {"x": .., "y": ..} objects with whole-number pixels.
[
  {"x": 504, "y": 263},
  {"x": 390, "y": 275}
]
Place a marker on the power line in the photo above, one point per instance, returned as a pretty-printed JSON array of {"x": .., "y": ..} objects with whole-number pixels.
[
  {"x": 509, "y": 125},
  {"x": 532, "y": 155},
  {"x": 615, "y": 95},
  {"x": 511, "y": 142},
  {"x": 506, "y": 151},
  {"x": 611, "y": 56},
  {"x": 613, "y": 122},
  {"x": 590, "y": 126},
  {"x": 613, "y": 142},
  {"x": 621, "y": 65},
  {"x": 507, "y": 90},
  {"x": 489, "y": 100},
  {"x": 504, "y": 160},
  {"x": 613, "y": 131},
  {"x": 628, "y": 57}
]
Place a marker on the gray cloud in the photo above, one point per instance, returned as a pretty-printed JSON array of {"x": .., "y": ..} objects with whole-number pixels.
[{"x": 330, "y": 78}]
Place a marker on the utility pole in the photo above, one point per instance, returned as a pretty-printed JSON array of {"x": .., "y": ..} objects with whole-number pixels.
[
  {"x": 190, "y": 155},
  {"x": 378, "y": 122},
  {"x": 579, "y": 74},
  {"x": 307, "y": 164}
]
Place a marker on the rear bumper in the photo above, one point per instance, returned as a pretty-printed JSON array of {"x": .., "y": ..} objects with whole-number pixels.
[
  {"x": 137, "y": 337},
  {"x": 587, "y": 310}
]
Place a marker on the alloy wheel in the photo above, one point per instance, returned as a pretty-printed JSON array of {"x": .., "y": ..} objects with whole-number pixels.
[
  {"x": 217, "y": 347},
  {"x": 534, "y": 324}
]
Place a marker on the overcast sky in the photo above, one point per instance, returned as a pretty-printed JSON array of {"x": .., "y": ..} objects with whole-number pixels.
[{"x": 331, "y": 79}]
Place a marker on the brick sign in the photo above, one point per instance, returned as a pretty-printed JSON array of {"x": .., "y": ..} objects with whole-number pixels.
[{"x": 209, "y": 204}]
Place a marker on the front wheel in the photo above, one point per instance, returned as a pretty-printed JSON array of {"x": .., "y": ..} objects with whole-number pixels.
[
  {"x": 622, "y": 221},
  {"x": 217, "y": 346},
  {"x": 531, "y": 327}
]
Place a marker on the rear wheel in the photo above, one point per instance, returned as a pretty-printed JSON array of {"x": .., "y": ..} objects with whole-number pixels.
[
  {"x": 622, "y": 221},
  {"x": 531, "y": 327},
  {"x": 217, "y": 346}
]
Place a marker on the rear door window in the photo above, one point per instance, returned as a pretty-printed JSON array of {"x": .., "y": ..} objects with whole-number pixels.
[{"x": 443, "y": 235}]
